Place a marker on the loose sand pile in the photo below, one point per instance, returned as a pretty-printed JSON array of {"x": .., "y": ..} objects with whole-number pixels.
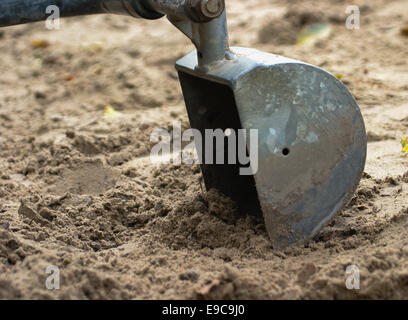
[{"x": 77, "y": 189}]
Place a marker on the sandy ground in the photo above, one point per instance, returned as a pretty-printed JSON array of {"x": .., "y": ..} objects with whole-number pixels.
[{"x": 77, "y": 191}]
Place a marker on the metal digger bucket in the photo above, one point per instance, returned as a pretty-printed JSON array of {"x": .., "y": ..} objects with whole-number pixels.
[{"x": 310, "y": 135}]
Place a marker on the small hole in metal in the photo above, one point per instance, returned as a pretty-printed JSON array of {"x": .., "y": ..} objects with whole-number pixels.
[
  {"x": 285, "y": 151},
  {"x": 228, "y": 132},
  {"x": 200, "y": 55}
]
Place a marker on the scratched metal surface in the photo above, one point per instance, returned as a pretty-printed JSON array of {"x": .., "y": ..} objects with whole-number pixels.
[{"x": 312, "y": 140}]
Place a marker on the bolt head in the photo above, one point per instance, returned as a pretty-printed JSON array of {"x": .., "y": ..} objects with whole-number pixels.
[
  {"x": 205, "y": 10},
  {"x": 212, "y": 6}
]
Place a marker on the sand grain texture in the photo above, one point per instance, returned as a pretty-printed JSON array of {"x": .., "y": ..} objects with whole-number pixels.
[{"x": 77, "y": 190}]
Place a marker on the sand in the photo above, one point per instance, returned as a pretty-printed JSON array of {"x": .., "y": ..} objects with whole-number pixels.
[{"x": 77, "y": 189}]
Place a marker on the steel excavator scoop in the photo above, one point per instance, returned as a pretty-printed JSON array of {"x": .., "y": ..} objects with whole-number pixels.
[{"x": 311, "y": 141}]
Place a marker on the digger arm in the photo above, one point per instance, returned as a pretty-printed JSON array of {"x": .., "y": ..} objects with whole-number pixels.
[{"x": 13, "y": 12}]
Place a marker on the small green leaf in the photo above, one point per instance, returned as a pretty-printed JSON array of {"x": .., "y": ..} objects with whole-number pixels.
[
  {"x": 404, "y": 142},
  {"x": 313, "y": 33}
]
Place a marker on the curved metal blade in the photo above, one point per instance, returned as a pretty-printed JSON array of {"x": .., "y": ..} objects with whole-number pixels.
[
  {"x": 311, "y": 139},
  {"x": 312, "y": 146}
]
